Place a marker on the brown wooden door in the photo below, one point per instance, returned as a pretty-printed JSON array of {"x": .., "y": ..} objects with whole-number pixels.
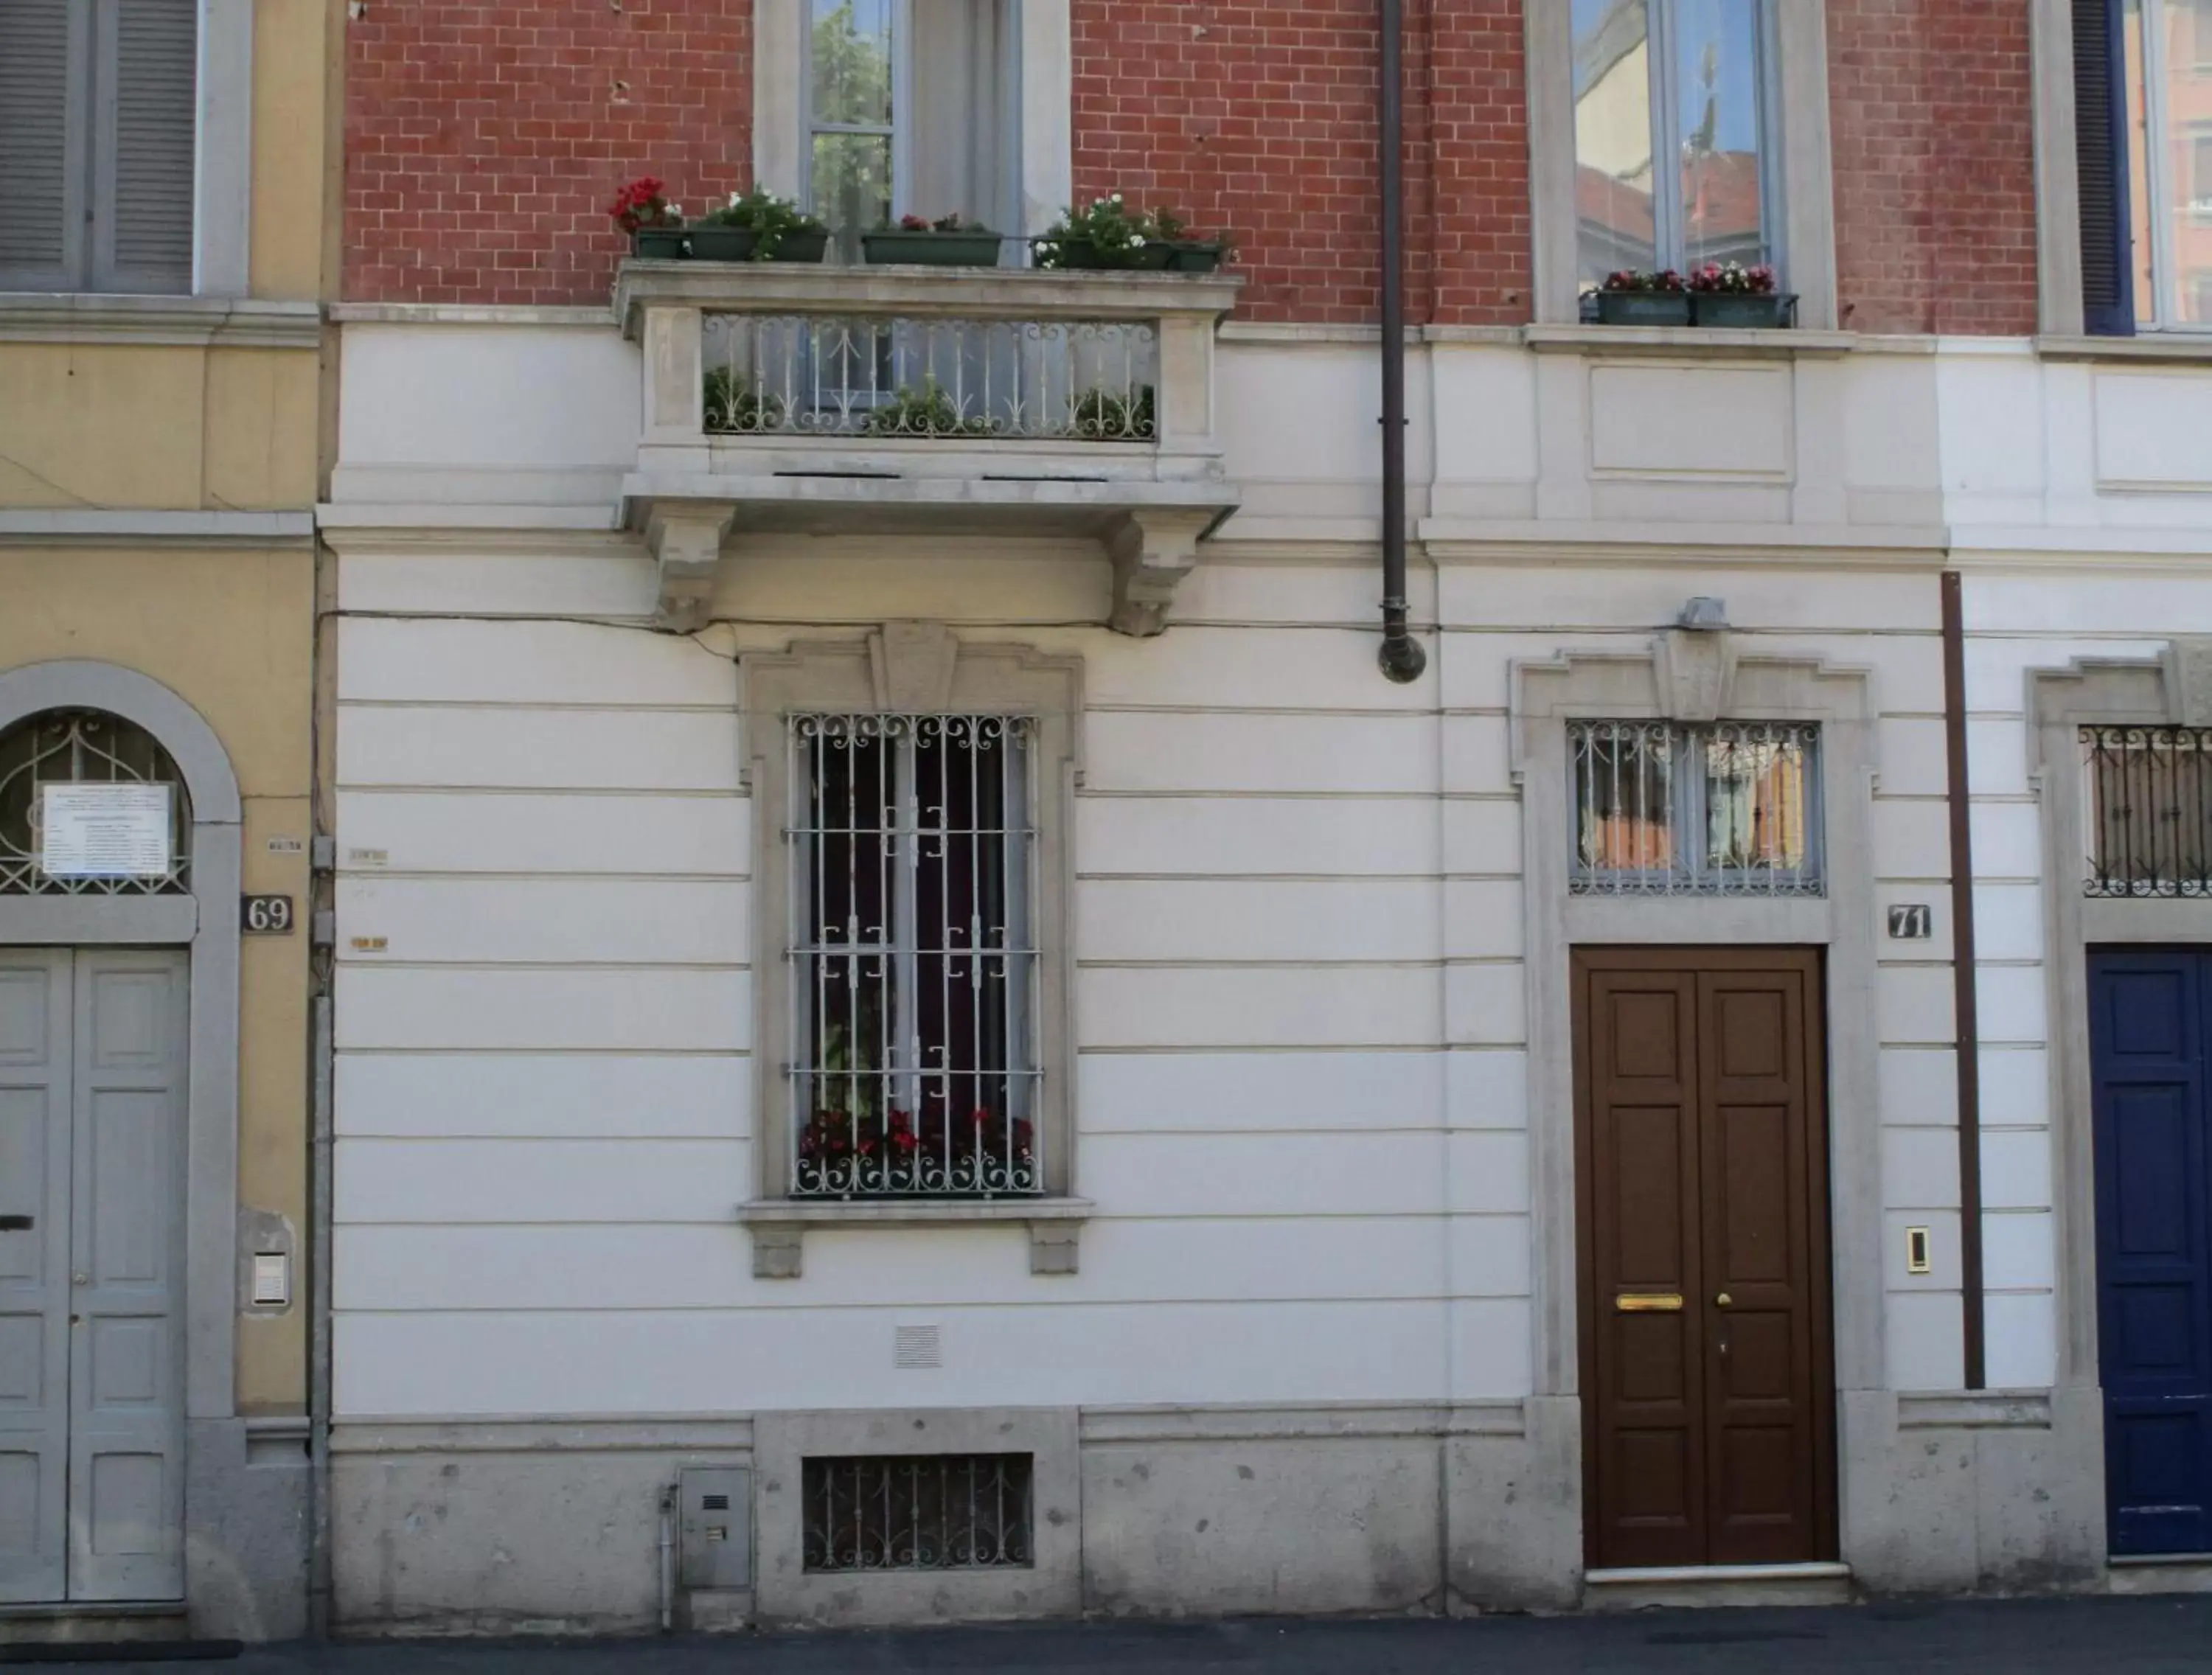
[{"x": 1708, "y": 1392}]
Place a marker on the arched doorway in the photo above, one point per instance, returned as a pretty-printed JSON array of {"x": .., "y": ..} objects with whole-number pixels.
[{"x": 118, "y": 958}]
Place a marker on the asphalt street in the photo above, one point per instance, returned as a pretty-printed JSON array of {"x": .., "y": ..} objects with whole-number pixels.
[{"x": 2137, "y": 1636}]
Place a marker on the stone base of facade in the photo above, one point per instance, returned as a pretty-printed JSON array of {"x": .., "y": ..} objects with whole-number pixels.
[
  {"x": 246, "y": 1505},
  {"x": 481, "y": 1529}
]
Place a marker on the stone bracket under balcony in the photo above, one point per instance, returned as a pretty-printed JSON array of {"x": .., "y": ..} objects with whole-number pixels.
[{"x": 994, "y": 402}]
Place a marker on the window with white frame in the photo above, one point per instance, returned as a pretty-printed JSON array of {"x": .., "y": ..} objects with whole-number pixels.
[
  {"x": 913, "y": 956},
  {"x": 912, "y": 108},
  {"x": 1675, "y": 117},
  {"x": 1725, "y": 808},
  {"x": 98, "y": 114}
]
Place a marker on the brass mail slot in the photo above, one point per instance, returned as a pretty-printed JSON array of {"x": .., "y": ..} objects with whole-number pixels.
[{"x": 1649, "y": 1302}]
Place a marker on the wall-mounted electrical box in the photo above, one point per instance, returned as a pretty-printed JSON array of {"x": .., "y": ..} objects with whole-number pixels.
[
  {"x": 1919, "y": 1253},
  {"x": 715, "y": 1503}
]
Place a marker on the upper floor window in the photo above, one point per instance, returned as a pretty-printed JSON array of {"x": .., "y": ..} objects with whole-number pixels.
[
  {"x": 1673, "y": 158},
  {"x": 1731, "y": 808},
  {"x": 97, "y": 132},
  {"x": 912, "y": 108},
  {"x": 2143, "y": 106}
]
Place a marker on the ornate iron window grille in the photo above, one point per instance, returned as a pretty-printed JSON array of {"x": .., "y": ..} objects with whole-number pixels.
[
  {"x": 912, "y": 1071},
  {"x": 83, "y": 747},
  {"x": 1728, "y": 808},
  {"x": 929, "y": 1512},
  {"x": 2149, "y": 813}
]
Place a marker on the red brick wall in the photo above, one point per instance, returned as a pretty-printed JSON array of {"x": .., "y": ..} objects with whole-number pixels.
[
  {"x": 1932, "y": 103},
  {"x": 1257, "y": 119},
  {"x": 484, "y": 138}
]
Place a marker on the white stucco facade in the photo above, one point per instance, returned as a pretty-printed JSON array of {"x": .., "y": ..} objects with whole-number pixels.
[{"x": 1305, "y": 1357}]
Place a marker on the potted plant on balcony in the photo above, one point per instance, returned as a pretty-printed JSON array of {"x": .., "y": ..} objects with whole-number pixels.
[
  {"x": 930, "y": 411},
  {"x": 1644, "y": 296},
  {"x": 1728, "y": 294},
  {"x": 758, "y": 226},
  {"x": 654, "y": 225},
  {"x": 1101, "y": 416},
  {"x": 1191, "y": 255},
  {"x": 1106, "y": 233},
  {"x": 946, "y": 242}
]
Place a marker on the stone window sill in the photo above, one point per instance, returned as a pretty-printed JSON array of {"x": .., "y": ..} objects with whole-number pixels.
[
  {"x": 1718, "y": 343},
  {"x": 96, "y": 317},
  {"x": 778, "y": 1225},
  {"x": 2185, "y": 348}
]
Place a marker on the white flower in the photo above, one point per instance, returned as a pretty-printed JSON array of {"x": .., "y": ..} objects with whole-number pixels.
[
  {"x": 734, "y": 200},
  {"x": 676, "y": 208},
  {"x": 1137, "y": 241},
  {"x": 1117, "y": 198}
]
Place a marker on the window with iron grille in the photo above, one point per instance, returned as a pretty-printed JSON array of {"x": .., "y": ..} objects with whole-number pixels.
[
  {"x": 81, "y": 747},
  {"x": 914, "y": 1069},
  {"x": 918, "y": 1512},
  {"x": 1728, "y": 808},
  {"x": 2149, "y": 813}
]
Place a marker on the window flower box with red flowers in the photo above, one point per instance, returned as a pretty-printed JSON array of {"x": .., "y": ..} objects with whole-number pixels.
[
  {"x": 979, "y": 1154},
  {"x": 654, "y": 225},
  {"x": 1640, "y": 296},
  {"x": 1727, "y": 294}
]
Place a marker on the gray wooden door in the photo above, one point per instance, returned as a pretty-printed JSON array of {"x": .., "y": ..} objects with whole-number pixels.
[
  {"x": 35, "y": 1006},
  {"x": 91, "y": 1055}
]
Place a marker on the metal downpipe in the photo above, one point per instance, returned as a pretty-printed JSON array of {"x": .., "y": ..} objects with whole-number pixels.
[{"x": 1400, "y": 656}]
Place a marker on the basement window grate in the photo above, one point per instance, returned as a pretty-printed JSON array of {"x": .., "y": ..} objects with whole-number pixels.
[{"x": 919, "y": 1512}]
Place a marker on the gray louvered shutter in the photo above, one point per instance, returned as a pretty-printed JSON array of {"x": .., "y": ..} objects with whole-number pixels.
[
  {"x": 2101, "y": 150},
  {"x": 142, "y": 215},
  {"x": 41, "y": 170}
]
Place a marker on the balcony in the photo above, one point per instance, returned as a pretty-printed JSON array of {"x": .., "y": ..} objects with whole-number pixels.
[{"x": 908, "y": 400}]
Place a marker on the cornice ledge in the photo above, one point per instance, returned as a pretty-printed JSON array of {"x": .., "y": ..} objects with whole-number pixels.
[
  {"x": 595, "y": 316},
  {"x": 104, "y": 526},
  {"x": 59, "y": 317}
]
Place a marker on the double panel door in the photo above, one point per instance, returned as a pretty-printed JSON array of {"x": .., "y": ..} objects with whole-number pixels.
[
  {"x": 1708, "y": 1389},
  {"x": 2149, "y": 1029},
  {"x": 92, "y": 1133}
]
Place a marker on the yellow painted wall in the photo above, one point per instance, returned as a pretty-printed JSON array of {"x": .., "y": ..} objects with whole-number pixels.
[
  {"x": 92, "y": 419},
  {"x": 155, "y": 426},
  {"x": 292, "y": 41},
  {"x": 232, "y": 634}
]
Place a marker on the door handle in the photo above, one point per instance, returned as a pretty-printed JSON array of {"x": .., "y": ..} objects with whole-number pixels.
[
  {"x": 80, "y": 1279},
  {"x": 1723, "y": 1300}
]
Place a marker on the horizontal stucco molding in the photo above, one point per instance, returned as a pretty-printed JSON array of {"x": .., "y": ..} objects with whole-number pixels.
[
  {"x": 23, "y": 526},
  {"x": 62, "y": 317}
]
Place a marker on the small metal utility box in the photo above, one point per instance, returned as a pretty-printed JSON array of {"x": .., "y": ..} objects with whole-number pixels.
[{"x": 715, "y": 1543}]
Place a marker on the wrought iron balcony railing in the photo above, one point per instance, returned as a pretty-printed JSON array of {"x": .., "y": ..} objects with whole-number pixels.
[
  {"x": 894, "y": 378},
  {"x": 880, "y": 400}
]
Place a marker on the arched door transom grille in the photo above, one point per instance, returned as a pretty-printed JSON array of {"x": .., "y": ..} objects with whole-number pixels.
[{"x": 85, "y": 748}]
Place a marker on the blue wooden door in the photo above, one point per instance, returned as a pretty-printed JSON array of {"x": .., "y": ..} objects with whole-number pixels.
[{"x": 2147, "y": 1032}]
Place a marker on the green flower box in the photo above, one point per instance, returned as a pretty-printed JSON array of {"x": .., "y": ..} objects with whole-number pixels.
[
  {"x": 1643, "y": 307},
  {"x": 897, "y": 248}
]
